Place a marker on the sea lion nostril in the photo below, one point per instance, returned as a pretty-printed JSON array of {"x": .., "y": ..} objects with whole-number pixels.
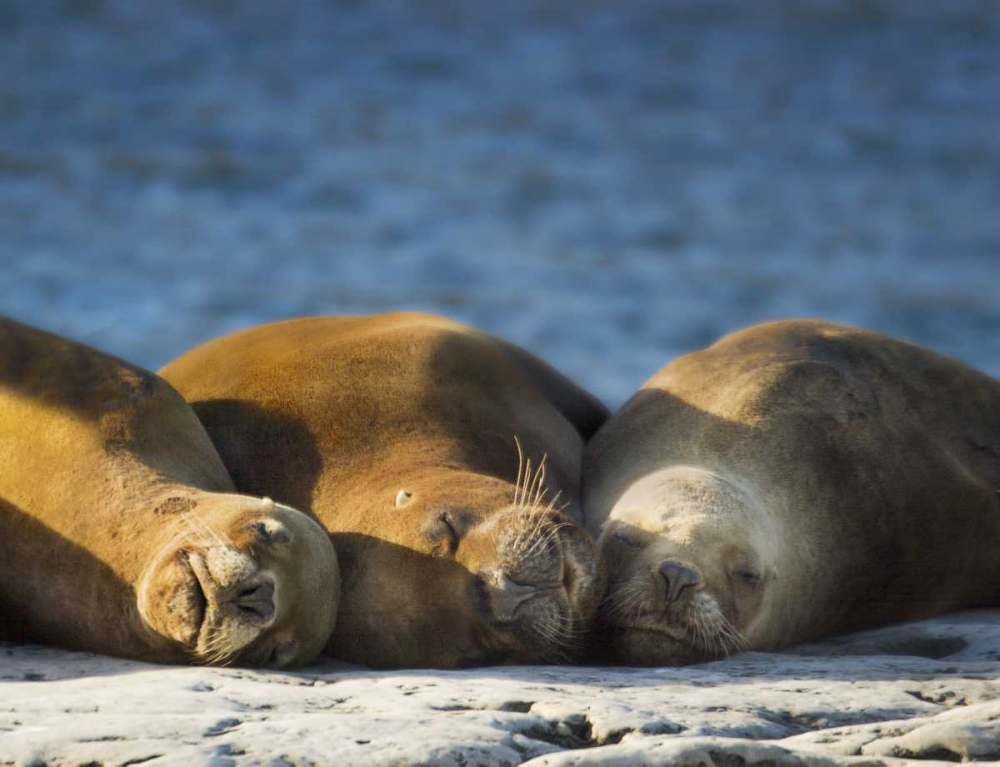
[
  {"x": 256, "y": 600},
  {"x": 678, "y": 577},
  {"x": 509, "y": 596}
]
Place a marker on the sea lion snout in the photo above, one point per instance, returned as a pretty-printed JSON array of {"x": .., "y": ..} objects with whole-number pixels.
[
  {"x": 509, "y": 596},
  {"x": 548, "y": 582},
  {"x": 255, "y": 601},
  {"x": 239, "y": 584},
  {"x": 679, "y": 578},
  {"x": 206, "y": 594}
]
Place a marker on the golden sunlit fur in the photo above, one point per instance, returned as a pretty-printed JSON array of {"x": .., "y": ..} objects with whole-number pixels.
[
  {"x": 437, "y": 457},
  {"x": 119, "y": 531}
]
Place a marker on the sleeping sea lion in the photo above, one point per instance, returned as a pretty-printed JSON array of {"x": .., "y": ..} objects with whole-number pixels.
[
  {"x": 792, "y": 481},
  {"x": 120, "y": 532},
  {"x": 400, "y": 433}
]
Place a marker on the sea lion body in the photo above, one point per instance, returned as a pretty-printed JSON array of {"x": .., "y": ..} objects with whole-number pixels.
[
  {"x": 120, "y": 531},
  {"x": 401, "y": 433},
  {"x": 794, "y": 480}
]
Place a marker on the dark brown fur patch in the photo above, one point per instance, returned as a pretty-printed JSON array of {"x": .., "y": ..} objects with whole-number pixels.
[{"x": 175, "y": 505}]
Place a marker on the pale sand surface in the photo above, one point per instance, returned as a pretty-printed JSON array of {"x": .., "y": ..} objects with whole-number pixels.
[{"x": 928, "y": 690}]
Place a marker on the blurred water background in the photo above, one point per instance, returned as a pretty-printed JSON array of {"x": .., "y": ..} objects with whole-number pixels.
[{"x": 607, "y": 184}]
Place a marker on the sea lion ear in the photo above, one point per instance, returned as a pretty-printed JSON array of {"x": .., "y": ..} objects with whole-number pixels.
[{"x": 403, "y": 497}]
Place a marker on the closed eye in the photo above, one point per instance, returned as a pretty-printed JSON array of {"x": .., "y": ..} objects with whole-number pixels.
[
  {"x": 624, "y": 539},
  {"x": 748, "y": 578},
  {"x": 445, "y": 519}
]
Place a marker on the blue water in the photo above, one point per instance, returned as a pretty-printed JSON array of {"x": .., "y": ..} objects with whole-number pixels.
[{"x": 609, "y": 185}]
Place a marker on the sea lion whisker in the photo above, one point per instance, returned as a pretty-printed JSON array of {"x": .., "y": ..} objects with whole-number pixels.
[
  {"x": 203, "y": 527},
  {"x": 692, "y": 629},
  {"x": 619, "y": 599},
  {"x": 573, "y": 630},
  {"x": 720, "y": 634},
  {"x": 520, "y": 469},
  {"x": 219, "y": 658},
  {"x": 731, "y": 639},
  {"x": 527, "y": 481},
  {"x": 542, "y": 540},
  {"x": 214, "y": 641},
  {"x": 538, "y": 502},
  {"x": 729, "y": 644},
  {"x": 222, "y": 649},
  {"x": 552, "y": 508},
  {"x": 176, "y": 542},
  {"x": 552, "y": 630},
  {"x": 527, "y": 533},
  {"x": 539, "y": 543},
  {"x": 527, "y": 545},
  {"x": 709, "y": 646},
  {"x": 223, "y": 541},
  {"x": 539, "y": 519},
  {"x": 628, "y": 599},
  {"x": 740, "y": 642},
  {"x": 528, "y": 525},
  {"x": 702, "y": 630},
  {"x": 539, "y": 481},
  {"x": 522, "y": 507}
]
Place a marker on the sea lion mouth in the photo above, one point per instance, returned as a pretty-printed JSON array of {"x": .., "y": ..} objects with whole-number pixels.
[
  {"x": 673, "y": 633},
  {"x": 546, "y": 602},
  {"x": 198, "y": 595},
  {"x": 645, "y": 632},
  {"x": 544, "y": 592},
  {"x": 235, "y": 614}
]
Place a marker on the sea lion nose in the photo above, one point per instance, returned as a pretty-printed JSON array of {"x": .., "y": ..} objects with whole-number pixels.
[
  {"x": 506, "y": 598},
  {"x": 256, "y": 601},
  {"x": 678, "y": 577}
]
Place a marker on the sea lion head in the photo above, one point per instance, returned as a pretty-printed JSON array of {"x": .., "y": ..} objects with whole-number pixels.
[
  {"x": 242, "y": 581},
  {"x": 475, "y": 572},
  {"x": 691, "y": 562}
]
